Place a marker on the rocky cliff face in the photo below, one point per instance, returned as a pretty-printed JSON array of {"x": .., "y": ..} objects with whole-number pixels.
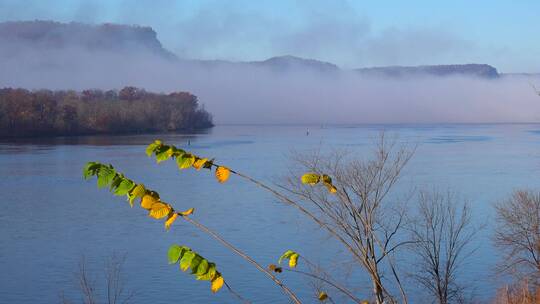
[
  {"x": 475, "y": 70},
  {"x": 38, "y": 53},
  {"x": 49, "y": 35},
  {"x": 283, "y": 63}
]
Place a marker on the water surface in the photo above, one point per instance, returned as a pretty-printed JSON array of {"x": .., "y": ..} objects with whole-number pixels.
[{"x": 50, "y": 217}]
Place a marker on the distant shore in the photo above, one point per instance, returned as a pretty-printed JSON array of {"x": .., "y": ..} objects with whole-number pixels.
[{"x": 45, "y": 113}]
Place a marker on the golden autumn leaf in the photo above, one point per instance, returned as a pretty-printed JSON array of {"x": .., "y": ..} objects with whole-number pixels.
[
  {"x": 222, "y": 174},
  {"x": 322, "y": 296},
  {"x": 187, "y": 212},
  {"x": 147, "y": 201},
  {"x": 171, "y": 220},
  {"x": 199, "y": 163},
  {"x": 293, "y": 260},
  {"x": 159, "y": 210},
  {"x": 138, "y": 191},
  {"x": 310, "y": 179},
  {"x": 331, "y": 188},
  {"x": 217, "y": 283}
]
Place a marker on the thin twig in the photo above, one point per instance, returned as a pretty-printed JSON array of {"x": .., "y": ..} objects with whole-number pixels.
[
  {"x": 343, "y": 290},
  {"x": 246, "y": 257}
]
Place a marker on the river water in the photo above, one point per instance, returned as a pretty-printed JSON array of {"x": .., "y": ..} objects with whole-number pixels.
[{"x": 51, "y": 218}]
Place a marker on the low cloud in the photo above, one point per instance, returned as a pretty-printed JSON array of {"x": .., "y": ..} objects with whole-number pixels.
[{"x": 243, "y": 93}]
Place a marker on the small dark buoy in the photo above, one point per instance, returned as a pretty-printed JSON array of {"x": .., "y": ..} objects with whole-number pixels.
[{"x": 307, "y": 132}]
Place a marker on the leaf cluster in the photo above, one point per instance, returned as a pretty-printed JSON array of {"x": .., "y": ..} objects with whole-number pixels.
[
  {"x": 185, "y": 160},
  {"x": 120, "y": 185},
  {"x": 201, "y": 268},
  {"x": 313, "y": 179}
]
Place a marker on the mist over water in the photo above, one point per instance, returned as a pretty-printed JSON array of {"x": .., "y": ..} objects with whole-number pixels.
[{"x": 244, "y": 93}]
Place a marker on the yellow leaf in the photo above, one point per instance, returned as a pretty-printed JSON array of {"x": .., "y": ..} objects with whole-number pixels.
[
  {"x": 160, "y": 210},
  {"x": 147, "y": 201},
  {"x": 199, "y": 163},
  {"x": 331, "y": 188},
  {"x": 217, "y": 283},
  {"x": 222, "y": 174},
  {"x": 185, "y": 161},
  {"x": 293, "y": 260},
  {"x": 311, "y": 179},
  {"x": 170, "y": 220},
  {"x": 139, "y": 190},
  {"x": 322, "y": 296},
  {"x": 187, "y": 212}
]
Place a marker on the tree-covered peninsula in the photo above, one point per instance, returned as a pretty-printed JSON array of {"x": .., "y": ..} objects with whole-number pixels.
[{"x": 130, "y": 110}]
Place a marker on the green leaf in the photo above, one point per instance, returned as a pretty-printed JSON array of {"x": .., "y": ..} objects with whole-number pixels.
[
  {"x": 286, "y": 255},
  {"x": 152, "y": 147},
  {"x": 164, "y": 153},
  {"x": 310, "y": 179},
  {"x": 185, "y": 262},
  {"x": 117, "y": 179},
  {"x": 185, "y": 161},
  {"x": 202, "y": 268},
  {"x": 90, "y": 169},
  {"x": 106, "y": 175},
  {"x": 178, "y": 152},
  {"x": 195, "y": 262},
  {"x": 210, "y": 273},
  {"x": 174, "y": 254},
  {"x": 124, "y": 187}
]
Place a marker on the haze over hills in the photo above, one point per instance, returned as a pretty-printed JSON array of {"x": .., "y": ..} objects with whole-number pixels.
[
  {"x": 18, "y": 37},
  {"x": 283, "y": 89},
  {"x": 49, "y": 35}
]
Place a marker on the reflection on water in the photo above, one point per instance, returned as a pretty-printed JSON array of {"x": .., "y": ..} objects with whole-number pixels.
[
  {"x": 102, "y": 140},
  {"x": 456, "y": 139},
  {"x": 50, "y": 217}
]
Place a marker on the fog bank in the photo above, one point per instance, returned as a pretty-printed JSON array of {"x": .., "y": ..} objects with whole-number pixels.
[{"x": 246, "y": 93}]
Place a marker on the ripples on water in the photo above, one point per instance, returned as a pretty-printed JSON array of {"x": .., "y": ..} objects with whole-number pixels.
[{"x": 50, "y": 217}]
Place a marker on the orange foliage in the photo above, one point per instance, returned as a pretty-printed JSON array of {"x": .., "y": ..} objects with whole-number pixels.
[{"x": 521, "y": 293}]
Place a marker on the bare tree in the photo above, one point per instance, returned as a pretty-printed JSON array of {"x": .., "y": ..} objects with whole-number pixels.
[
  {"x": 518, "y": 235},
  {"x": 360, "y": 214},
  {"x": 441, "y": 233},
  {"x": 113, "y": 278}
]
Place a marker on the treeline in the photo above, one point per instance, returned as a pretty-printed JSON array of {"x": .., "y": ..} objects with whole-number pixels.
[{"x": 130, "y": 110}]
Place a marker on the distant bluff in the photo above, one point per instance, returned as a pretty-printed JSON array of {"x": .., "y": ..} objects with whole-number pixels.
[
  {"x": 41, "y": 44},
  {"x": 476, "y": 70},
  {"x": 47, "y": 35}
]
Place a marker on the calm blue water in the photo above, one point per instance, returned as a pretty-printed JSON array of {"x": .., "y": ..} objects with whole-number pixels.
[{"x": 50, "y": 217}]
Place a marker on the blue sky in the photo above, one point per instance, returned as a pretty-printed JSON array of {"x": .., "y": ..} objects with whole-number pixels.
[{"x": 348, "y": 33}]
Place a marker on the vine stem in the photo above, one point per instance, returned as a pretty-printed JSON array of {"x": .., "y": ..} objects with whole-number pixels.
[
  {"x": 237, "y": 295},
  {"x": 343, "y": 290},
  {"x": 246, "y": 257},
  {"x": 287, "y": 200}
]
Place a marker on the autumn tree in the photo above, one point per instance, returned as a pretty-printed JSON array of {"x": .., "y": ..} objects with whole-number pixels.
[{"x": 132, "y": 110}]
